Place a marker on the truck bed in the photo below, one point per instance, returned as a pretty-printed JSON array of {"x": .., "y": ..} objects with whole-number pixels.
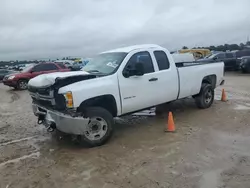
[
  {"x": 194, "y": 63},
  {"x": 191, "y": 75}
]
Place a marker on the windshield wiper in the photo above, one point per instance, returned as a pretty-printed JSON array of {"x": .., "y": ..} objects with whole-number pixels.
[{"x": 93, "y": 71}]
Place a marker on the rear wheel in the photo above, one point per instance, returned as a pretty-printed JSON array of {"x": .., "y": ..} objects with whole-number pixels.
[
  {"x": 99, "y": 128},
  {"x": 22, "y": 84},
  {"x": 206, "y": 96}
]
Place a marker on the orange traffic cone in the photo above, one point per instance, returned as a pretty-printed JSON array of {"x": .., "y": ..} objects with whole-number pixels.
[
  {"x": 170, "y": 127},
  {"x": 223, "y": 96}
]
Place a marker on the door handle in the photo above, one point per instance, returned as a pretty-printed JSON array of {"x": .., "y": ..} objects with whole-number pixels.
[{"x": 153, "y": 79}]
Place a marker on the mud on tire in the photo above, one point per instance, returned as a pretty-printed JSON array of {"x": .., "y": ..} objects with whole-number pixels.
[
  {"x": 100, "y": 127},
  {"x": 206, "y": 96}
]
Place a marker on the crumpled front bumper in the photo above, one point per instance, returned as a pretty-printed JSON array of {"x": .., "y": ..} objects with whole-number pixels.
[{"x": 64, "y": 122}]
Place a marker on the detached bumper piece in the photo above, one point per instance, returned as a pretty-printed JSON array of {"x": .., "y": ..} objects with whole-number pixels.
[
  {"x": 222, "y": 82},
  {"x": 57, "y": 120}
]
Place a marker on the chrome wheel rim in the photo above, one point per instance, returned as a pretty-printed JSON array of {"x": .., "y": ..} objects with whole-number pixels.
[
  {"x": 208, "y": 96},
  {"x": 96, "y": 128},
  {"x": 23, "y": 84}
]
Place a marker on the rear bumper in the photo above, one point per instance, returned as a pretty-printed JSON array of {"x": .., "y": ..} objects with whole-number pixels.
[{"x": 63, "y": 122}]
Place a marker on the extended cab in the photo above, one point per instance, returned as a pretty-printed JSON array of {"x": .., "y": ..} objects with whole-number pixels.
[{"x": 119, "y": 82}]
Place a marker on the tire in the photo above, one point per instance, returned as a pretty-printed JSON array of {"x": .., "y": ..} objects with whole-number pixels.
[
  {"x": 206, "y": 96},
  {"x": 243, "y": 71},
  {"x": 22, "y": 84},
  {"x": 100, "y": 127}
]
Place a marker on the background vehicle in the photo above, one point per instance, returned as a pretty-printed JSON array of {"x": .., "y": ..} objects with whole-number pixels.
[
  {"x": 20, "y": 80},
  {"x": 245, "y": 64},
  {"x": 228, "y": 58},
  {"x": 197, "y": 53},
  {"x": 116, "y": 83},
  {"x": 4, "y": 72},
  {"x": 240, "y": 54},
  {"x": 186, "y": 57},
  {"x": 67, "y": 63}
]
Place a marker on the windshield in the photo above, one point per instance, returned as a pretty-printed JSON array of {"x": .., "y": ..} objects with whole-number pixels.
[
  {"x": 211, "y": 56},
  {"x": 26, "y": 69},
  {"x": 105, "y": 63}
]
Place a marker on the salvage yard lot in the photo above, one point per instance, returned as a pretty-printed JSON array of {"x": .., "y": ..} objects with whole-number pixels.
[{"x": 209, "y": 149}]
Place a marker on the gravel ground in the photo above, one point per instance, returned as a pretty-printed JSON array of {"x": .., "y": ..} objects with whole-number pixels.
[{"x": 209, "y": 149}]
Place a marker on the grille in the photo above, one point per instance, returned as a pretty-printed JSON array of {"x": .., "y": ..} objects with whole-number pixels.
[
  {"x": 42, "y": 103},
  {"x": 60, "y": 103},
  {"x": 41, "y": 91}
]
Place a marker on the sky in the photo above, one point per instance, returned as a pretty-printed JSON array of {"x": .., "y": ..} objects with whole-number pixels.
[{"x": 31, "y": 29}]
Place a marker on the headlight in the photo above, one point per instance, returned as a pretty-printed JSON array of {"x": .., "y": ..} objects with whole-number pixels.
[
  {"x": 69, "y": 99},
  {"x": 11, "y": 77}
]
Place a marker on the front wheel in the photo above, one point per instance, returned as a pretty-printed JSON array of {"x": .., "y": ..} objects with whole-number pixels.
[
  {"x": 22, "y": 84},
  {"x": 99, "y": 128},
  {"x": 206, "y": 96}
]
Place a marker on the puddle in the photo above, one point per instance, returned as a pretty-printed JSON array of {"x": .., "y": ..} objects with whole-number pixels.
[
  {"x": 32, "y": 155},
  {"x": 242, "y": 107},
  {"x": 210, "y": 179},
  {"x": 232, "y": 95},
  {"x": 15, "y": 141}
]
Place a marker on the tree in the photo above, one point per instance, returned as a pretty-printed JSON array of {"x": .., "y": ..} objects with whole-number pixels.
[
  {"x": 234, "y": 47},
  {"x": 242, "y": 46},
  {"x": 184, "y": 47},
  {"x": 213, "y": 48},
  {"x": 226, "y": 47},
  {"x": 220, "y": 48}
]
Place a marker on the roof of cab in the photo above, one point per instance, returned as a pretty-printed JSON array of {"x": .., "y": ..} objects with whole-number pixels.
[{"x": 135, "y": 47}]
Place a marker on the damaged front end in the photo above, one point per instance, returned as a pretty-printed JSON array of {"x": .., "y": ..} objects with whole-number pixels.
[
  {"x": 51, "y": 109},
  {"x": 61, "y": 121}
]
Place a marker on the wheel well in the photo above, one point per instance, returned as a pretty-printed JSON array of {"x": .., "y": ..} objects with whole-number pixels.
[
  {"x": 22, "y": 79},
  {"x": 105, "y": 101},
  {"x": 211, "y": 79}
]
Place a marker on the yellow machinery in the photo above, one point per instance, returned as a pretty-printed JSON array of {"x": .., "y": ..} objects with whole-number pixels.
[{"x": 198, "y": 53}]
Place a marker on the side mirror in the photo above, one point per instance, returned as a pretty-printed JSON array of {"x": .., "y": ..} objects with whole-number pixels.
[
  {"x": 215, "y": 58},
  {"x": 137, "y": 70}
]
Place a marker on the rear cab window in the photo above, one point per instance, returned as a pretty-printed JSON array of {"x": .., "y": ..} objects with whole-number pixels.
[{"x": 161, "y": 59}]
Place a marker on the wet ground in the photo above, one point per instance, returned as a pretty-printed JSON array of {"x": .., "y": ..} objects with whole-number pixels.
[{"x": 211, "y": 148}]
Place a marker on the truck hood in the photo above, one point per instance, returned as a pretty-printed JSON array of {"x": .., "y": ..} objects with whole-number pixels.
[{"x": 46, "y": 80}]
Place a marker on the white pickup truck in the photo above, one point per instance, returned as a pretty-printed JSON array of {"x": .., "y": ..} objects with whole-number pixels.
[{"x": 119, "y": 82}]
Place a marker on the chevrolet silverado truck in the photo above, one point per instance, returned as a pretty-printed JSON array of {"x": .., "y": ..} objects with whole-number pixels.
[{"x": 116, "y": 83}]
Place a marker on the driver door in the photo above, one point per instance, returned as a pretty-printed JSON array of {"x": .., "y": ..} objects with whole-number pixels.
[{"x": 137, "y": 92}]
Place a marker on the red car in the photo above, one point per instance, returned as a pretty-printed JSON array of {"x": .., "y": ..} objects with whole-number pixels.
[{"x": 20, "y": 80}]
